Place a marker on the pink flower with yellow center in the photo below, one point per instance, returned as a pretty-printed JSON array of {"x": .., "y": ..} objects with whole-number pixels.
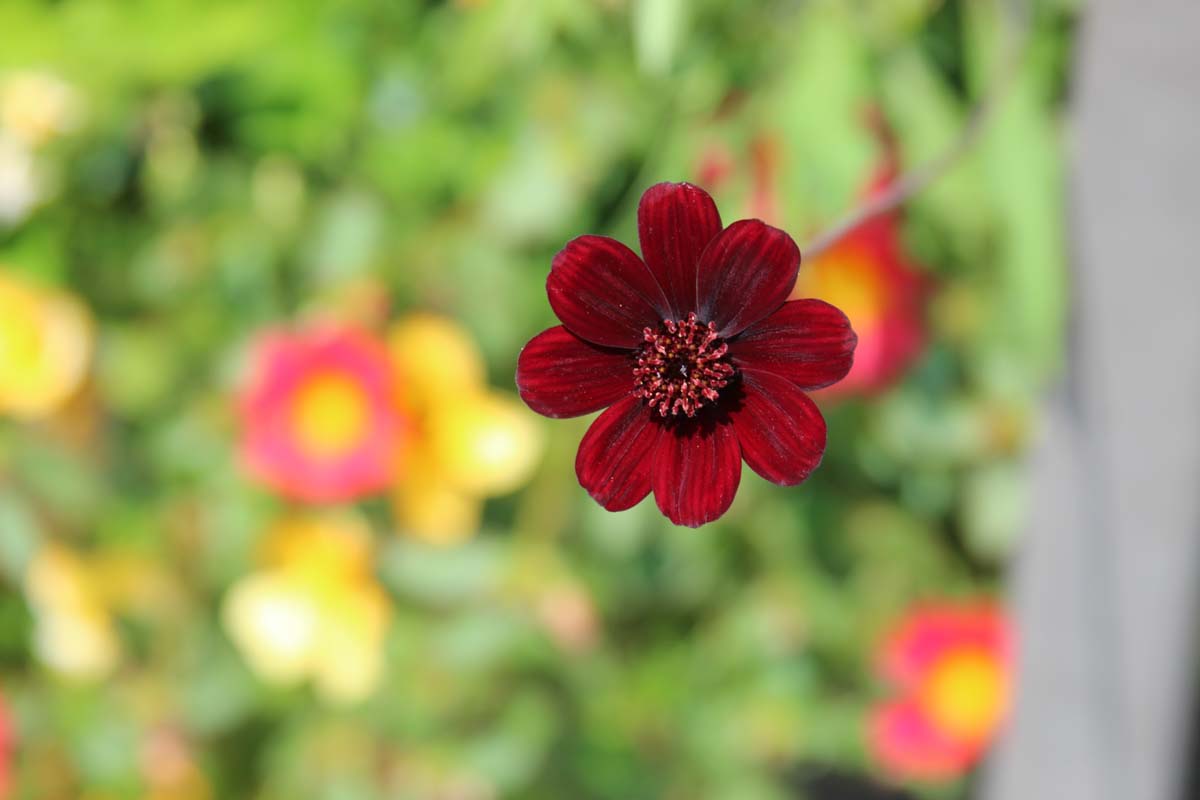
[
  {"x": 868, "y": 276},
  {"x": 320, "y": 417},
  {"x": 952, "y": 667}
]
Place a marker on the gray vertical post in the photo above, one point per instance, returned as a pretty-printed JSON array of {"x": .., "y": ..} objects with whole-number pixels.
[{"x": 1105, "y": 588}]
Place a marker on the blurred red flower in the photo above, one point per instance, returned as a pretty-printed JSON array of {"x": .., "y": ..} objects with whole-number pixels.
[
  {"x": 952, "y": 666},
  {"x": 695, "y": 352},
  {"x": 319, "y": 416}
]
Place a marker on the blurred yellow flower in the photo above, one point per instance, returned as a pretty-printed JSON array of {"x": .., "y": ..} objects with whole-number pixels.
[
  {"x": 74, "y": 598},
  {"x": 436, "y": 359},
  {"x": 469, "y": 442},
  {"x": 45, "y": 344},
  {"x": 74, "y": 632},
  {"x": 20, "y": 181},
  {"x": 315, "y": 612},
  {"x": 35, "y": 106}
]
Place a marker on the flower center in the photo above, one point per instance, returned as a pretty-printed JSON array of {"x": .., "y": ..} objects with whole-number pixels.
[
  {"x": 681, "y": 367},
  {"x": 966, "y": 694},
  {"x": 329, "y": 414}
]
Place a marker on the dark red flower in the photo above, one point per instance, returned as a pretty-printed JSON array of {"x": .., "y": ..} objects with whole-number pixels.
[{"x": 695, "y": 352}]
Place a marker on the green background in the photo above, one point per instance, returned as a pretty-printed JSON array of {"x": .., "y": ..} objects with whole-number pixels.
[{"x": 240, "y": 161}]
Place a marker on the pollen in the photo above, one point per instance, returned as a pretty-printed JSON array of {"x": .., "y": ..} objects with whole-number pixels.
[{"x": 681, "y": 367}]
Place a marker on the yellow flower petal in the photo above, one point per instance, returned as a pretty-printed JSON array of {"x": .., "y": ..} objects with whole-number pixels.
[
  {"x": 330, "y": 546},
  {"x": 45, "y": 343},
  {"x": 80, "y": 645},
  {"x": 349, "y": 665},
  {"x": 486, "y": 443},
  {"x": 430, "y": 508},
  {"x": 317, "y": 613},
  {"x": 21, "y": 182},
  {"x": 56, "y": 579},
  {"x": 74, "y": 633},
  {"x": 435, "y": 358},
  {"x": 274, "y": 619},
  {"x": 37, "y": 106}
]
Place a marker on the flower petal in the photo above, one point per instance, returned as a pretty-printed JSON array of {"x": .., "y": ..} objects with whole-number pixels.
[
  {"x": 435, "y": 358},
  {"x": 781, "y": 432},
  {"x": 617, "y": 453},
  {"x": 929, "y": 631},
  {"x": 342, "y": 445},
  {"x": 907, "y": 745},
  {"x": 604, "y": 293},
  {"x": 697, "y": 468},
  {"x": 561, "y": 375},
  {"x": 676, "y": 221},
  {"x": 429, "y": 507},
  {"x": 745, "y": 274},
  {"x": 809, "y": 342}
]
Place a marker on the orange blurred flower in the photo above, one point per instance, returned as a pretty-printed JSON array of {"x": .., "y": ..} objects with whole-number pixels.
[
  {"x": 319, "y": 416},
  {"x": 951, "y": 665},
  {"x": 315, "y": 611},
  {"x": 45, "y": 345},
  {"x": 868, "y": 276}
]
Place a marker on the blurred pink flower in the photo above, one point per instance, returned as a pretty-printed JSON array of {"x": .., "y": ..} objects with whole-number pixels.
[
  {"x": 320, "y": 417},
  {"x": 7, "y": 747},
  {"x": 952, "y": 667}
]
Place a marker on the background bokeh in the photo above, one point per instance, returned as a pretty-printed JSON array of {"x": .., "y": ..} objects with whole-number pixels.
[{"x": 200, "y": 196}]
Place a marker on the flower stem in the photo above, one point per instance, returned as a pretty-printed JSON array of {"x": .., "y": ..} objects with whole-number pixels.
[{"x": 907, "y": 185}]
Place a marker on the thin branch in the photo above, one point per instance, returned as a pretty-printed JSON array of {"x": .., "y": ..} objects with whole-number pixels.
[{"x": 912, "y": 182}]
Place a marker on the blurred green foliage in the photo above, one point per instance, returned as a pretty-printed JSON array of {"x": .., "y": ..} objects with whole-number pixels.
[{"x": 244, "y": 163}]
